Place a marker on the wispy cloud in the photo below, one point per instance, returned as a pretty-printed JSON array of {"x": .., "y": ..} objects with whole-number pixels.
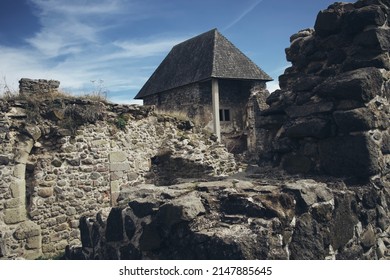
[
  {"x": 243, "y": 14},
  {"x": 71, "y": 46}
]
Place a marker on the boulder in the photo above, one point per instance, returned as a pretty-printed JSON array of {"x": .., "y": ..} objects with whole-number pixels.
[
  {"x": 308, "y": 127},
  {"x": 356, "y": 20},
  {"x": 114, "y": 230},
  {"x": 361, "y": 85},
  {"x": 356, "y": 155},
  {"x": 378, "y": 39},
  {"x": 360, "y": 119},
  {"x": 307, "y": 241},
  {"x": 309, "y": 109}
]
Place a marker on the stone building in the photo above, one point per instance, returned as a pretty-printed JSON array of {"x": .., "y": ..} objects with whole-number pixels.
[{"x": 214, "y": 83}]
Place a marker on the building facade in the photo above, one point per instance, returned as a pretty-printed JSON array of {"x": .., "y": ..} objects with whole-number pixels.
[{"x": 214, "y": 83}]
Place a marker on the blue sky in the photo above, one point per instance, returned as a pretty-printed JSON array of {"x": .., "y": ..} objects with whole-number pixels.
[{"x": 121, "y": 42}]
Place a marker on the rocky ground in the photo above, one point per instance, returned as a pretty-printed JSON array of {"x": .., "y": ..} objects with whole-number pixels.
[{"x": 261, "y": 213}]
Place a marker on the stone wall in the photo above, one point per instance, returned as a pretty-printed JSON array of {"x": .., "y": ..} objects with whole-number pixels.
[
  {"x": 268, "y": 218},
  {"x": 194, "y": 100},
  {"x": 331, "y": 114},
  {"x": 75, "y": 157},
  {"x": 30, "y": 86}
]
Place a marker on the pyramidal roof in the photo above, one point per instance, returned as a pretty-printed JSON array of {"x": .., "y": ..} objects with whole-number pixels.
[{"x": 208, "y": 55}]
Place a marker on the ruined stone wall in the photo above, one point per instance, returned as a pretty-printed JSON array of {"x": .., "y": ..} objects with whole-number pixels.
[
  {"x": 53, "y": 172},
  {"x": 195, "y": 101},
  {"x": 332, "y": 112},
  {"x": 41, "y": 86},
  {"x": 270, "y": 219}
]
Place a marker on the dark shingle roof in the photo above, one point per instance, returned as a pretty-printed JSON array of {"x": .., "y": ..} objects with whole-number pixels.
[{"x": 208, "y": 55}]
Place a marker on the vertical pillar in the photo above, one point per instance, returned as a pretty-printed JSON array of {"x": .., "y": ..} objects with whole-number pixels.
[{"x": 215, "y": 100}]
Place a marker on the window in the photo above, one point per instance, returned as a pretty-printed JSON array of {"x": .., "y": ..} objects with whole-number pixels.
[{"x": 224, "y": 115}]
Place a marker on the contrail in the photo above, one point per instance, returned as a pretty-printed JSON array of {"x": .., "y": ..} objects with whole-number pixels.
[{"x": 240, "y": 17}]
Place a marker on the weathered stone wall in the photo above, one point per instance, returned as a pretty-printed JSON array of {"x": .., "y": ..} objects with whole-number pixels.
[
  {"x": 30, "y": 86},
  {"x": 271, "y": 218},
  {"x": 194, "y": 100},
  {"x": 332, "y": 112},
  {"x": 75, "y": 158}
]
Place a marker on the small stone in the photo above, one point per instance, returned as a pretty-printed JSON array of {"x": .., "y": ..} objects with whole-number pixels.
[
  {"x": 368, "y": 237},
  {"x": 45, "y": 192},
  {"x": 34, "y": 242},
  {"x": 94, "y": 176},
  {"x": 4, "y": 160},
  {"x": 56, "y": 162},
  {"x": 33, "y": 131},
  {"x": 27, "y": 229},
  {"x": 71, "y": 211},
  {"x": 381, "y": 248}
]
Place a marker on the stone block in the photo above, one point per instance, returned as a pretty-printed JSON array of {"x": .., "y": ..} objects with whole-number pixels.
[
  {"x": 358, "y": 19},
  {"x": 15, "y": 215},
  {"x": 94, "y": 176},
  {"x": 4, "y": 160},
  {"x": 360, "y": 119},
  {"x": 377, "y": 38},
  {"x": 32, "y": 254},
  {"x": 117, "y": 157},
  {"x": 61, "y": 245},
  {"x": 184, "y": 208},
  {"x": 344, "y": 221},
  {"x": 56, "y": 162},
  {"x": 328, "y": 22},
  {"x": 307, "y": 240},
  {"x": 119, "y": 166},
  {"x": 33, "y": 131},
  {"x": 117, "y": 175},
  {"x": 99, "y": 143},
  {"x": 34, "y": 242},
  {"x": 368, "y": 238},
  {"x": 15, "y": 202},
  {"x": 314, "y": 127},
  {"x": 48, "y": 248},
  {"x": 20, "y": 171},
  {"x": 273, "y": 121},
  {"x": 142, "y": 207},
  {"x": 18, "y": 188},
  {"x": 115, "y": 186},
  {"x": 309, "y": 109},
  {"x": 27, "y": 230},
  {"x": 361, "y": 85},
  {"x": 356, "y": 155}
]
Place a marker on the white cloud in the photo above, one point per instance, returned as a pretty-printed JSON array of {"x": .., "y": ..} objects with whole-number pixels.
[
  {"x": 71, "y": 47},
  {"x": 143, "y": 49},
  {"x": 272, "y": 86},
  {"x": 76, "y": 7}
]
